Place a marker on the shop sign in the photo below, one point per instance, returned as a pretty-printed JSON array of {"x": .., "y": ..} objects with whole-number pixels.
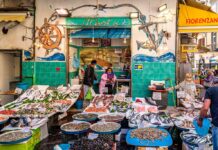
[
  {"x": 190, "y": 16},
  {"x": 138, "y": 67},
  {"x": 103, "y": 21}
]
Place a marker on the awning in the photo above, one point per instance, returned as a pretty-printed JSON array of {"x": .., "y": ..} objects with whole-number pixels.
[
  {"x": 119, "y": 33},
  {"x": 192, "y": 20},
  {"x": 102, "y": 33},
  {"x": 6, "y": 17},
  {"x": 90, "y": 33}
]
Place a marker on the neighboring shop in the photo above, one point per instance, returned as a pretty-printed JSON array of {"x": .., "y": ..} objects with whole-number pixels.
[{"x": 197, "y": 40}]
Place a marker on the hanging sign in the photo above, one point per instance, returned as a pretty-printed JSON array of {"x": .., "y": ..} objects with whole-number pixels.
[{"x": 190, "y": 16}]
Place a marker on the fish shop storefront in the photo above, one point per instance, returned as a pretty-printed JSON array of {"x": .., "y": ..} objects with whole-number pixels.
[{"x": 125, "y": 33}]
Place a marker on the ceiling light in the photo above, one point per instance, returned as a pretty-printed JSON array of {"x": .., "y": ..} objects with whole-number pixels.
[
  {"x": 63, "y": 12},
  {"x": 134, "y": 15},
  {"x": 124, "y": 41},
  {"x": 162, "y": 8},
  {"x": 93, "y": 40}
]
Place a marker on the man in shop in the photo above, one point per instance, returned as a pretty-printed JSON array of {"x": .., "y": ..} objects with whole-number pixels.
[
  {"x": 89, "y": 76},
  {"x": 211, "y": 102}
]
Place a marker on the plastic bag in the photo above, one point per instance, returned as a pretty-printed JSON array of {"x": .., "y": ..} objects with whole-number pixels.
[
  {"x": 89, "y": 94},
  {"x": 75, "y": 62}
]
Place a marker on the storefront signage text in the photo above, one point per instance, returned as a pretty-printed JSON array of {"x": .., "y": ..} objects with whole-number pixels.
[
  {"x": 114, "y": 21},
  {"x": 201, "y": 20}
]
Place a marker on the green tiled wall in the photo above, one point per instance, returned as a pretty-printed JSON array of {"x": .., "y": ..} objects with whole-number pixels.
[
  {"x": 152, "y": 71},
  {"x": 27, "y": 69},
  {"x": 73, "y": 75},
  {"x": 45, "y": 73},
  {"x": 27, "y": 72}
]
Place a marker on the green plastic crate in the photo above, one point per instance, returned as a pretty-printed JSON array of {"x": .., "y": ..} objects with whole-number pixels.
[{"x": 29, "y": 145}]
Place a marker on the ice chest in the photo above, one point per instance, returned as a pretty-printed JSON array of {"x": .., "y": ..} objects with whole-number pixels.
[{"x": 28, "y": 145}]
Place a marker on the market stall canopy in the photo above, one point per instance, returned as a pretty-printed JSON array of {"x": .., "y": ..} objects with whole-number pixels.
[
  {"x": 102, "y": 33},
  {"x": 192, "y": 20},
  {"x": 7, "y": 17},
  {"x": 194, "y": 3}
]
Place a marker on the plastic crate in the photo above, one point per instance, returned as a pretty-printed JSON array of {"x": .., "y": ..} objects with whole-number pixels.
[{"x": 28, "y": 145}]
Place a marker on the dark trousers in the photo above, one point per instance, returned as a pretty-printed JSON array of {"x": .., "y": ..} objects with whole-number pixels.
[{"x": 110, "y": 88}]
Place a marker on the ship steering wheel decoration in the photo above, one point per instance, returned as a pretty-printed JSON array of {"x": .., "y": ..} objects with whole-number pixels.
[{"x": 49, "y": 35}]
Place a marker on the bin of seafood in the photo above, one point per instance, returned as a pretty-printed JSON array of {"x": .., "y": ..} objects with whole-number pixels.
[
  {"x": 149, "y": 137},
  {"x": 113, "y": 117},
  {"x": 160, "y": 119},
  {"x": 85, "y": 117},
  {"x": 192, "y": 139},
  {"x": 75, "y": 127},
  {"x": 97, "y": 110},
  {"x": 119, "y": 97},
  {"x": 102, "y": 100},
  {"x": 105, "y": 127},
  {"x": 40, "y": 101},
  {"x": 184, "y": 124},
  {"x": 14, "y": 137},
  {"x": 120, "y": 106}
]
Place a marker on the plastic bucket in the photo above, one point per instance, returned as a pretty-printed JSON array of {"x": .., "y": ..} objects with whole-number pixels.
[
  {"x": 79, "y": 104},
  {"x": 23, "y": 86}
]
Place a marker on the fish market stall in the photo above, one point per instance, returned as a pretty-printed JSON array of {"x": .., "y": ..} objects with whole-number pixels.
[
  {"x": 116, "y": 119},
  {"x": 40, "y": 101},
  {"x": 31, "y": 112}
]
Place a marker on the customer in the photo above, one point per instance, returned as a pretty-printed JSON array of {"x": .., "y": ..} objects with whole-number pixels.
[
  {"x": 211, "y": 102},
  {"x": 209, "y": 80},
  {"x": 107, "y": 81},
  {"x": 89, "y": 76}
]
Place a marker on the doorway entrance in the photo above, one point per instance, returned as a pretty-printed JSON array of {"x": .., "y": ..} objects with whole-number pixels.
[{"x": 10, "y": 66}]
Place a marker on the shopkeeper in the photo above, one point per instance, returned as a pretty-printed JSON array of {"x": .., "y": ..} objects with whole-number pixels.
[
  {"x": 90, "y": 76},
  {"x": 188, "y": 86},
  {"x": 107, "y": 82}
]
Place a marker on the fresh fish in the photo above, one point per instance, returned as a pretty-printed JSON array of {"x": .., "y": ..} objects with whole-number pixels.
[
  {"x": 146, "y": 117},
  {"x": 192, "y": 137}
]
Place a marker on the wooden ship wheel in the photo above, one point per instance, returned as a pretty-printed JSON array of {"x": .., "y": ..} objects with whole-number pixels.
[{"x": 49, "y": 35}]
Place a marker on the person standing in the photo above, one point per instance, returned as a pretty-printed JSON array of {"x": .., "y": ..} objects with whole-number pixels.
[
  {"x": 107, "y": 81},
  {"x": 201, "y": 64},
  {"x": 211, "y": 102},
  {"x": 89, "y": 76},
  {"x": 209, "y": 80}
]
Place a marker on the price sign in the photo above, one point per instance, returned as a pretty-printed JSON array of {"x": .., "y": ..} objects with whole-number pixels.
[{"x": 138, "y": 67}]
